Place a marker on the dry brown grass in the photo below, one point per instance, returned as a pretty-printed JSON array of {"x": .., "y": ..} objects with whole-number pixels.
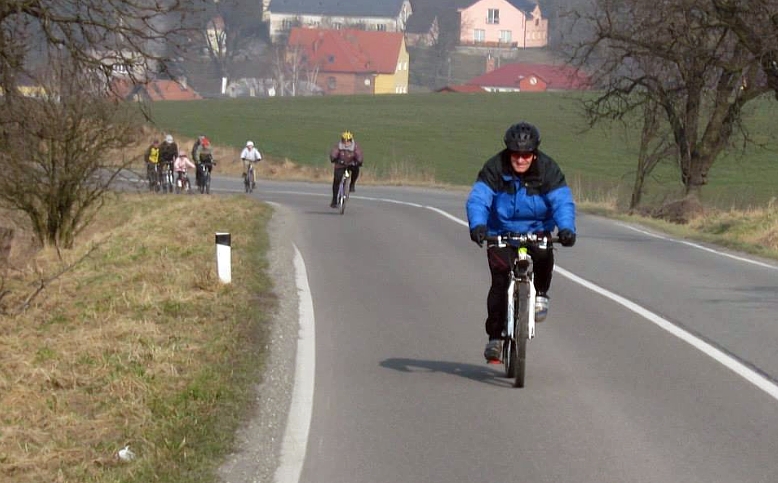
[
  {"x": 136, "y": 344},
  {"x": 756, "y": 227}
]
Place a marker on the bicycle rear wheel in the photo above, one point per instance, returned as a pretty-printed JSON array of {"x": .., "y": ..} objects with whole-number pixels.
[
  {"x": 521, "y": 334},
  {"x": 208, "y": 183}
]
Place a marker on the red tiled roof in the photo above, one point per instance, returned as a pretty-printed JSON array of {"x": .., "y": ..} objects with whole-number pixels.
[
  {"x": 349, "y": 50},
  {"x": 558, "y": 77}
]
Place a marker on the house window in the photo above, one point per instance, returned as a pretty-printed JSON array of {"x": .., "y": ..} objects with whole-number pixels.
[
  {"x": 479, "y": 35},
  {"x": 331, "y": 83},
  {"x": 120, "y": 68},
  {"x": 381, "y": 27},
  {"x": 287, "y": 24},
  {"x": 493, "y": 15},
  {"x": 505, "y": 36},
  {"x": 337, "y": 25}
]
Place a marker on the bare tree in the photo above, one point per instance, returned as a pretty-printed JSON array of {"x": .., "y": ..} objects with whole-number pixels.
[
  {"x": 57, "y": 141},
  {"x": 96, "y": 33},
  {"x": 755, "y": 23},
  {"x": 60, "y": 152},
  {"x": 433, "y": 61},
  {"x": 681, "y": 57},
  {"x": 230, "y": 28}
]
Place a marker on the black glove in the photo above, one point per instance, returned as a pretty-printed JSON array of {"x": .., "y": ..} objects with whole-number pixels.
[
  {"x": 566, "y": 237},
  {"x": 478, "y": 234}
]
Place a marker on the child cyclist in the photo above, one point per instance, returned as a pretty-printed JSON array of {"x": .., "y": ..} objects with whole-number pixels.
[{"x": 180, "y": 165}]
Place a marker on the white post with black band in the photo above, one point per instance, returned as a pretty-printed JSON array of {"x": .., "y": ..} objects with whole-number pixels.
[{"x": 223, "y": 257}]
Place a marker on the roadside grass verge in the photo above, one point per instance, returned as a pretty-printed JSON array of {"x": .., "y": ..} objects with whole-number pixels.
[{"x": 137, "y": 344}]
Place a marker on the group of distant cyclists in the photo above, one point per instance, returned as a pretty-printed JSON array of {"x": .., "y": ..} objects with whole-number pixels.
[
  {"x": 520, "y": 189},
  {"x": 167, "y": 165},
  {"x": 166, "y": 156}
]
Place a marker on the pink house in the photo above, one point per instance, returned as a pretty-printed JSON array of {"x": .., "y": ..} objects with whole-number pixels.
[{"x": 503, "y": 23}]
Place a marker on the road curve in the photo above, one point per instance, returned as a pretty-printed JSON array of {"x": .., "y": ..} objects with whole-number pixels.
[{"x": 401, "y": 392}]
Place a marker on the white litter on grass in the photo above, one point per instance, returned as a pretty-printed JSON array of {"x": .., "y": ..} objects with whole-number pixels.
[{"x": 126, "y": 454}]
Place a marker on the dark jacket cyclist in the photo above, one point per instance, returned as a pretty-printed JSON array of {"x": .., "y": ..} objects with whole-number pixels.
[
  {"x": 346, "y": 154},
  {"x": 519, "y": 190}
]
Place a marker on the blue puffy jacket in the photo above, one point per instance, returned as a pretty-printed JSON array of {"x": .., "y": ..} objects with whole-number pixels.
[{"x": 536, "y": 201}]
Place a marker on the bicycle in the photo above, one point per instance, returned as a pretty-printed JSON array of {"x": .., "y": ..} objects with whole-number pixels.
[
  {"x": 248, "y": 179},
  {"x": 204, "y": 177},
  {"x": 182, "y": 183},
  {"x": 152, "y": 175},
  {"x": 343, "y": 190},
  {"x": 520, "y": 315},
  {"x": 167, "y": 176}
]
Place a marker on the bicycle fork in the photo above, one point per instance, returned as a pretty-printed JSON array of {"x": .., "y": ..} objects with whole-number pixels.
[{"x": 524, "y": 261}]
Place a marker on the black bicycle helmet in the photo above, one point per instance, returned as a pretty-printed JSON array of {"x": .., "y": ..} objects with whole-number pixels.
[{"x": 522, "y": 137}]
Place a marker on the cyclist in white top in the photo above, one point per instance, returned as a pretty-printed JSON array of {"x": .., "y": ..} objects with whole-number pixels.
[{"x": 250, "y": 155}]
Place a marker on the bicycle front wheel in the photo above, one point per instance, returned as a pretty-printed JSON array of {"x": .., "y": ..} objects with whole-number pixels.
[
  {"x": 342, "y": 197},
  {"x": 521, "y": 333}
]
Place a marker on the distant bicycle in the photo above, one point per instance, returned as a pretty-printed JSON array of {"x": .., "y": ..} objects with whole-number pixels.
[
  {"x": 153, "y": 177},
  {"x": 248, "y": 179},
  {"x": 204, "y": 177},
  {"x": 166, "y": 176},
  {"x": 520, "y": 316},
  {"x": 343, "y": 190},
  {"x": 182, "y": 183}
]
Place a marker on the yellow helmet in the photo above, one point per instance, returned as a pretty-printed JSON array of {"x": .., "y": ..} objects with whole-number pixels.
[{"x": 347, "y": 136}]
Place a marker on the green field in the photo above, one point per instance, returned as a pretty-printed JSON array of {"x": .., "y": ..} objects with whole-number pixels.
[{"x": 450, "y": 135}]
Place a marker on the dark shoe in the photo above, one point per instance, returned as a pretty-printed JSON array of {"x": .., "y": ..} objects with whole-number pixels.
[
  {"x": 333, "y": 205},
  {"x": 351, "y": 189},
  {"x": 493, "y": 351}
]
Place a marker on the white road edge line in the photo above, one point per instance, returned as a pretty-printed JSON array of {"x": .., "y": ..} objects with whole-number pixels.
[
  {"x": 701, "y": 247},
  {"x": 298, "y": 425},
  {"x": 295, "y": 441},
  {"x": 725, "y": 359}
]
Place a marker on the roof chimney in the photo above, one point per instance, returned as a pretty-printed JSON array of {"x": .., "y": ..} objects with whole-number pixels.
[{"x": 491, "y": 63}]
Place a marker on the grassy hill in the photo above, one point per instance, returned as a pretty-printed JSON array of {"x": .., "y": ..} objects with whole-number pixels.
[{"x": 450, "y": 135}]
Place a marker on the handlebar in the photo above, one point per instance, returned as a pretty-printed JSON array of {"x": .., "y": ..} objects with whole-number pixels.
[{"x": 518, "y": 239}]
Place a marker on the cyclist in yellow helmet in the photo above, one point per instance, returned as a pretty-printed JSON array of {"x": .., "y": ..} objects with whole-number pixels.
[{"x": 345, "y": 154}]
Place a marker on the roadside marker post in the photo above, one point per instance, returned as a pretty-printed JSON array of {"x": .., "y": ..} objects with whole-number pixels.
[{"x": 223, "y": 257}]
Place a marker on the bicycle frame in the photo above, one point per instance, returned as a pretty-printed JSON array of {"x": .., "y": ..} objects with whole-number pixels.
[
  {"x": 204, "y": 173},
  {"x": 343, "y": 191},
  {"x": 248, "y": 182},
  {"x": 520, "y": 314},
  {"x": 522, "y": 273}
]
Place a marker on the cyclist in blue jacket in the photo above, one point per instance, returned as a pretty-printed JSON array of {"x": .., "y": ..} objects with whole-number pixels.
[{"x": 519, "y": 190}]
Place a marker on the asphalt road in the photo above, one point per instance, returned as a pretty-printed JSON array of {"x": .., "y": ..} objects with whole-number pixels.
[{"x": 657, "y": 362}]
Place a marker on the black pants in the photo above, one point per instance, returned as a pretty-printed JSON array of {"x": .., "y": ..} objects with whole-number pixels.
[
  {"x": 500, "y": 262},
  {"x": 339, "y": 176}
]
